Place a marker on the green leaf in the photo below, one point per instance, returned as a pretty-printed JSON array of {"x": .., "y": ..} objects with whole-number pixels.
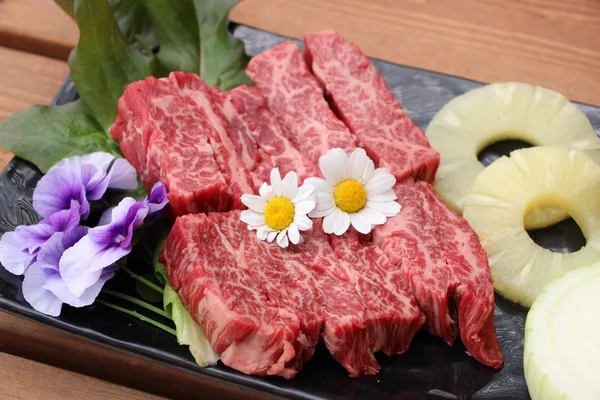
[
  {"x": 45, "y": 135},
  {"x": 147, "y": 293},
  {"x": 103, "y": 63},
  {"x": 134, "y": 22},
  {"x": 222, "y": 57},
  {"x": 188, "y": 331},
  {"x": 177, "y": 31}
]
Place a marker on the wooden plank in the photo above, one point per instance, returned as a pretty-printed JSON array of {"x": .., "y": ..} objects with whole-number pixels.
[
  {"x": 33, "y": 341},
  {"x": 26, "y": 79},
  {"x": 553, "y": 43},
  {"x": 28, "y": 380},
  {"x": 37, "y": 26}
]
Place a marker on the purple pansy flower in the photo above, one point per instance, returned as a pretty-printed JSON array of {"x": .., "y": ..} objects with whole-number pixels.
[
  {"x": 81, "y": 179},
  {"x": 18, "y": 249},
  {"x": 43, "y": 286},
  {"x": 157, "y": 199},
  {"x": 81, "y": 266}
]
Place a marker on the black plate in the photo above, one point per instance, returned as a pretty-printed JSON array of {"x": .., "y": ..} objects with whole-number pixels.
[{"x": 430, "y": 370}]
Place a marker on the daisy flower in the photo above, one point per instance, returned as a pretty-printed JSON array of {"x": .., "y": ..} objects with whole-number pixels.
[
  {"x": 280, "y": 211},
  {"x": 352, "y": 193}
]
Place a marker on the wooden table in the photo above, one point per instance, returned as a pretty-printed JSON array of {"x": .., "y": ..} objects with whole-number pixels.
[{"x": 553, "y": 43}]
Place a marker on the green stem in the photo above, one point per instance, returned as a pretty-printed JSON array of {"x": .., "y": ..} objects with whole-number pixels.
[
  {"x": 136, "y": 301},
  {"x": 141, "y": 279},
  {"x": 138, "y": 315}
]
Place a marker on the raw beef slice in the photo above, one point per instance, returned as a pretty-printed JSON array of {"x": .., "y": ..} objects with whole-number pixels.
[
  {"x": 258, "y": 138},
  {"x": 391, "y": 315},
  {"x": 362, "y": 99},
  {"x": 296, "y": 99},
  {"x": 171, "y": 130},
  {"x": 447, "y": 269},
  {"x": 236, "y": 285},
  {"x": 164, "y": 137},
  {"x": 226, "y": 298}
]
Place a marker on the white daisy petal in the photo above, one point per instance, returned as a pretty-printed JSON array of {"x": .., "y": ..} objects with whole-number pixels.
[
  {"x": 271, "y": 236},
  {"x": 304, "y": 192},
  {"x": 261, "y": 234},
  {"x": 369, "y": 171},
  {"x": 303, "y": 223},
  {"x": 333, "y": 221},
  {"x": 304, "y": 207},
  {"x": 388, "y": 208},
  {"x": 289, "y": 185},
  {"x": 374, "y": 216},
  {"x": 266, "y": 192},
  {"x": 276, "y": 182},
  {"x": 357, "y": 164},
  {"x": 334, "y": 166},
  {"x": 345, "y": 224},
  {"x": 282, "y": 239},
  {"x": 381, "y": 171},
  {"x": 294, "y": 234},
  {"x": 252, "y": 218},
  {"x": 388, "y": 195},
  {"x": 324, "y": 201},
  {"x": 380, "y": 184},
  {"x": 322, "y": 213},
  {"x": 254, "y": 203},
  {"x": 320, "y": 185},
  {"x": 360, "y": 223}
]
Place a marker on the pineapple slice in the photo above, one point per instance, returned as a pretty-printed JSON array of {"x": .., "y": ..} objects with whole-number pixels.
[
  {"x": 505, "y": 192},
  {"x": 476, "y": 119}
]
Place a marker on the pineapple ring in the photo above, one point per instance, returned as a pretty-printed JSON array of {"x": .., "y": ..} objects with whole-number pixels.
[
  {"x": 505, "y": 192},
  {"x": 480, "y": 117}
]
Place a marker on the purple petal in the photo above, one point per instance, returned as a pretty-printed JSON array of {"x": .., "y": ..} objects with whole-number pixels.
[
  {"x": 158, "y": 198},
  {"x": 100, "y": 160},
  {"x": 123, "y": 175},
  {"x": 64, "y": 220},
  {"x": 106, "y": 217},
  {"x": 55, "y": 191},
  {"x": 106, "y": 235},
  {"x": 119, "y": 213},
  {"x": 134, "y": 219},
  {"x": 125, "y": 219},
  {"x": 95, "y": 181},
  {"x": 74, "y": 235},
  {"x": 51, "y": 253},
  {"x": 12, "y": 258},
  {"x": 32, "y": 237},
  {"x": 82, "y": 264},
  {"x": 49, "y": 256},
  {"x": 40, "y": 299},
  {"x": 57, "y": 286}
]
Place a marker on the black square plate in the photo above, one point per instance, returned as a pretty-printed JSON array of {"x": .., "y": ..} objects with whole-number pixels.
[{"x": 430, "y": 369}]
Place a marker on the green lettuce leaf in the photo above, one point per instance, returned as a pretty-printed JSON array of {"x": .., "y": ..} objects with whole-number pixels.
[
  {"x": 134, "y": 23},
  {"x": 45, "y": 135},
  {"x": 222, "y": 57},
  {"x": 177, "y": 32},
  {"x": 188, "y": 331},
  {"x": 104, "y": 63}
]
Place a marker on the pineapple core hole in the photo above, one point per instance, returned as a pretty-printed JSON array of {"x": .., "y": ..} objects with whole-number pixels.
[
  {"x": 495, "y": 150},
  {"x": 562, "y": 237}
]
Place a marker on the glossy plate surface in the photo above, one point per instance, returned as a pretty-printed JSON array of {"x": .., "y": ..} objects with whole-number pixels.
[{"x": 430, "y": 369}]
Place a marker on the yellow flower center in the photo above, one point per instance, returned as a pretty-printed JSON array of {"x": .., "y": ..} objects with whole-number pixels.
[
  {"x": 279, "y": 213},
  {"x": 350, "y": 196}
]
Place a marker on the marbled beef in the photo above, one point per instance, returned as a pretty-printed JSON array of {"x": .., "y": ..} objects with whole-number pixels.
[{"x": 362, "y": 99}]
